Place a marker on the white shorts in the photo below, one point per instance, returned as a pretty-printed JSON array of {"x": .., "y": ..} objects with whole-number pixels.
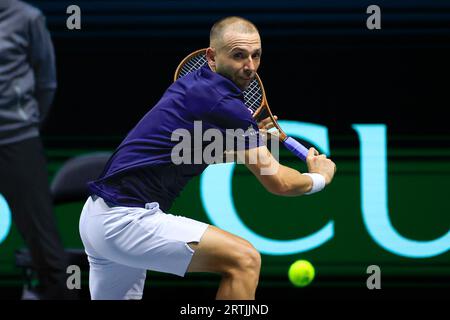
[{"x": 122, "y": 243}]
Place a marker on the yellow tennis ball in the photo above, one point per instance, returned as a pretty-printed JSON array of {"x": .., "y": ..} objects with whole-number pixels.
[{"x": 301, "y": 273}]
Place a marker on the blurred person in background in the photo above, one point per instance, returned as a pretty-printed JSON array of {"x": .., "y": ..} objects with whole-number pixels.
[{"x": 27, "y": 88}]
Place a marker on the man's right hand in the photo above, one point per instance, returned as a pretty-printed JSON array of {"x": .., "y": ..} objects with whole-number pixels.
[{"x": 318, "y": 163}]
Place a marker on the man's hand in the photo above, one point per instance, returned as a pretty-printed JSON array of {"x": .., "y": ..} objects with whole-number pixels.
[
  {"x": 266, "y": 124},
  {"x": 318, "y": 163}
]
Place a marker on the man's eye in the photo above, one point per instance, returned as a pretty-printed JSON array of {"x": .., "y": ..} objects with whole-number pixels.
[
  {"x": 256, "y": 56},
  {"x": 238, "y": 55}
]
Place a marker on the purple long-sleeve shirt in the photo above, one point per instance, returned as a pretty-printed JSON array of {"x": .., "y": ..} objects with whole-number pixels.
[{"x": 141, "y": 170}]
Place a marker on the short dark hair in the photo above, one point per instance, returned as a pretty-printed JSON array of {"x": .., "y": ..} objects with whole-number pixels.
[{"x": 219, "y": 27}]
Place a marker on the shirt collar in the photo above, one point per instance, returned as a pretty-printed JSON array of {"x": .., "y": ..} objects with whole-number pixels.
[{"x": 224, "y": 85}]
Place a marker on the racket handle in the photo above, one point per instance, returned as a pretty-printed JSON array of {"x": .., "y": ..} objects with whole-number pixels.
[{"x": 296, "y": 148}]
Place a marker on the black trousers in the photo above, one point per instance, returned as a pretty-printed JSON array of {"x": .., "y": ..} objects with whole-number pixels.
[{"x": 25, "y": 186}]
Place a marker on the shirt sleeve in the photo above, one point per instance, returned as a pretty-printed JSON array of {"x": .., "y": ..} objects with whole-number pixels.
[
  {"x": 42, "y": 60},
  {"x": 235, "y": 120}
]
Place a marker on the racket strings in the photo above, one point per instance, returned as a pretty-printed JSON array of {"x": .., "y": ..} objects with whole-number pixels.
[
  {"x": 192, "y": 64},
  {"x": 253, "y": 96}
]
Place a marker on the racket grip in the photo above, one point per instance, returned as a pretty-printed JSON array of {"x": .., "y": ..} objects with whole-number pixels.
[{"x": 296, "y": 148}]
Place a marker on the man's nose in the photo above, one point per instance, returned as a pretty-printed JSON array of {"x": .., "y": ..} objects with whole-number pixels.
[{"x": 250, "y": 64}]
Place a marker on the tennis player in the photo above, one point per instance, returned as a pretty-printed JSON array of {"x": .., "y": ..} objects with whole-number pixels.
[{"x": 124, "y": 225}]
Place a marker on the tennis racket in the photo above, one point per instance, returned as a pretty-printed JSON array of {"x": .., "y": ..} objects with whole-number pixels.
[{"x": 254, "y": 97}]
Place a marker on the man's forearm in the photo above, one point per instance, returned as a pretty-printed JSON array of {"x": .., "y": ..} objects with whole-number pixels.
[{"x": 293, "y": 183}]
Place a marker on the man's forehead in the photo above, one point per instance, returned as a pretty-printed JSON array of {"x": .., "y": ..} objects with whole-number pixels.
[{"x": 247, "y": 41}]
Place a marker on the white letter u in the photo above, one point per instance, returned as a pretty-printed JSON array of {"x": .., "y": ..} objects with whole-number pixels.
[{"x": 374, "y": 198}]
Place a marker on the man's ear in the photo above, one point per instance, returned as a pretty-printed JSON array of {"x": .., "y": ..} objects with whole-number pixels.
[{"x": 211, "y": 57}]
